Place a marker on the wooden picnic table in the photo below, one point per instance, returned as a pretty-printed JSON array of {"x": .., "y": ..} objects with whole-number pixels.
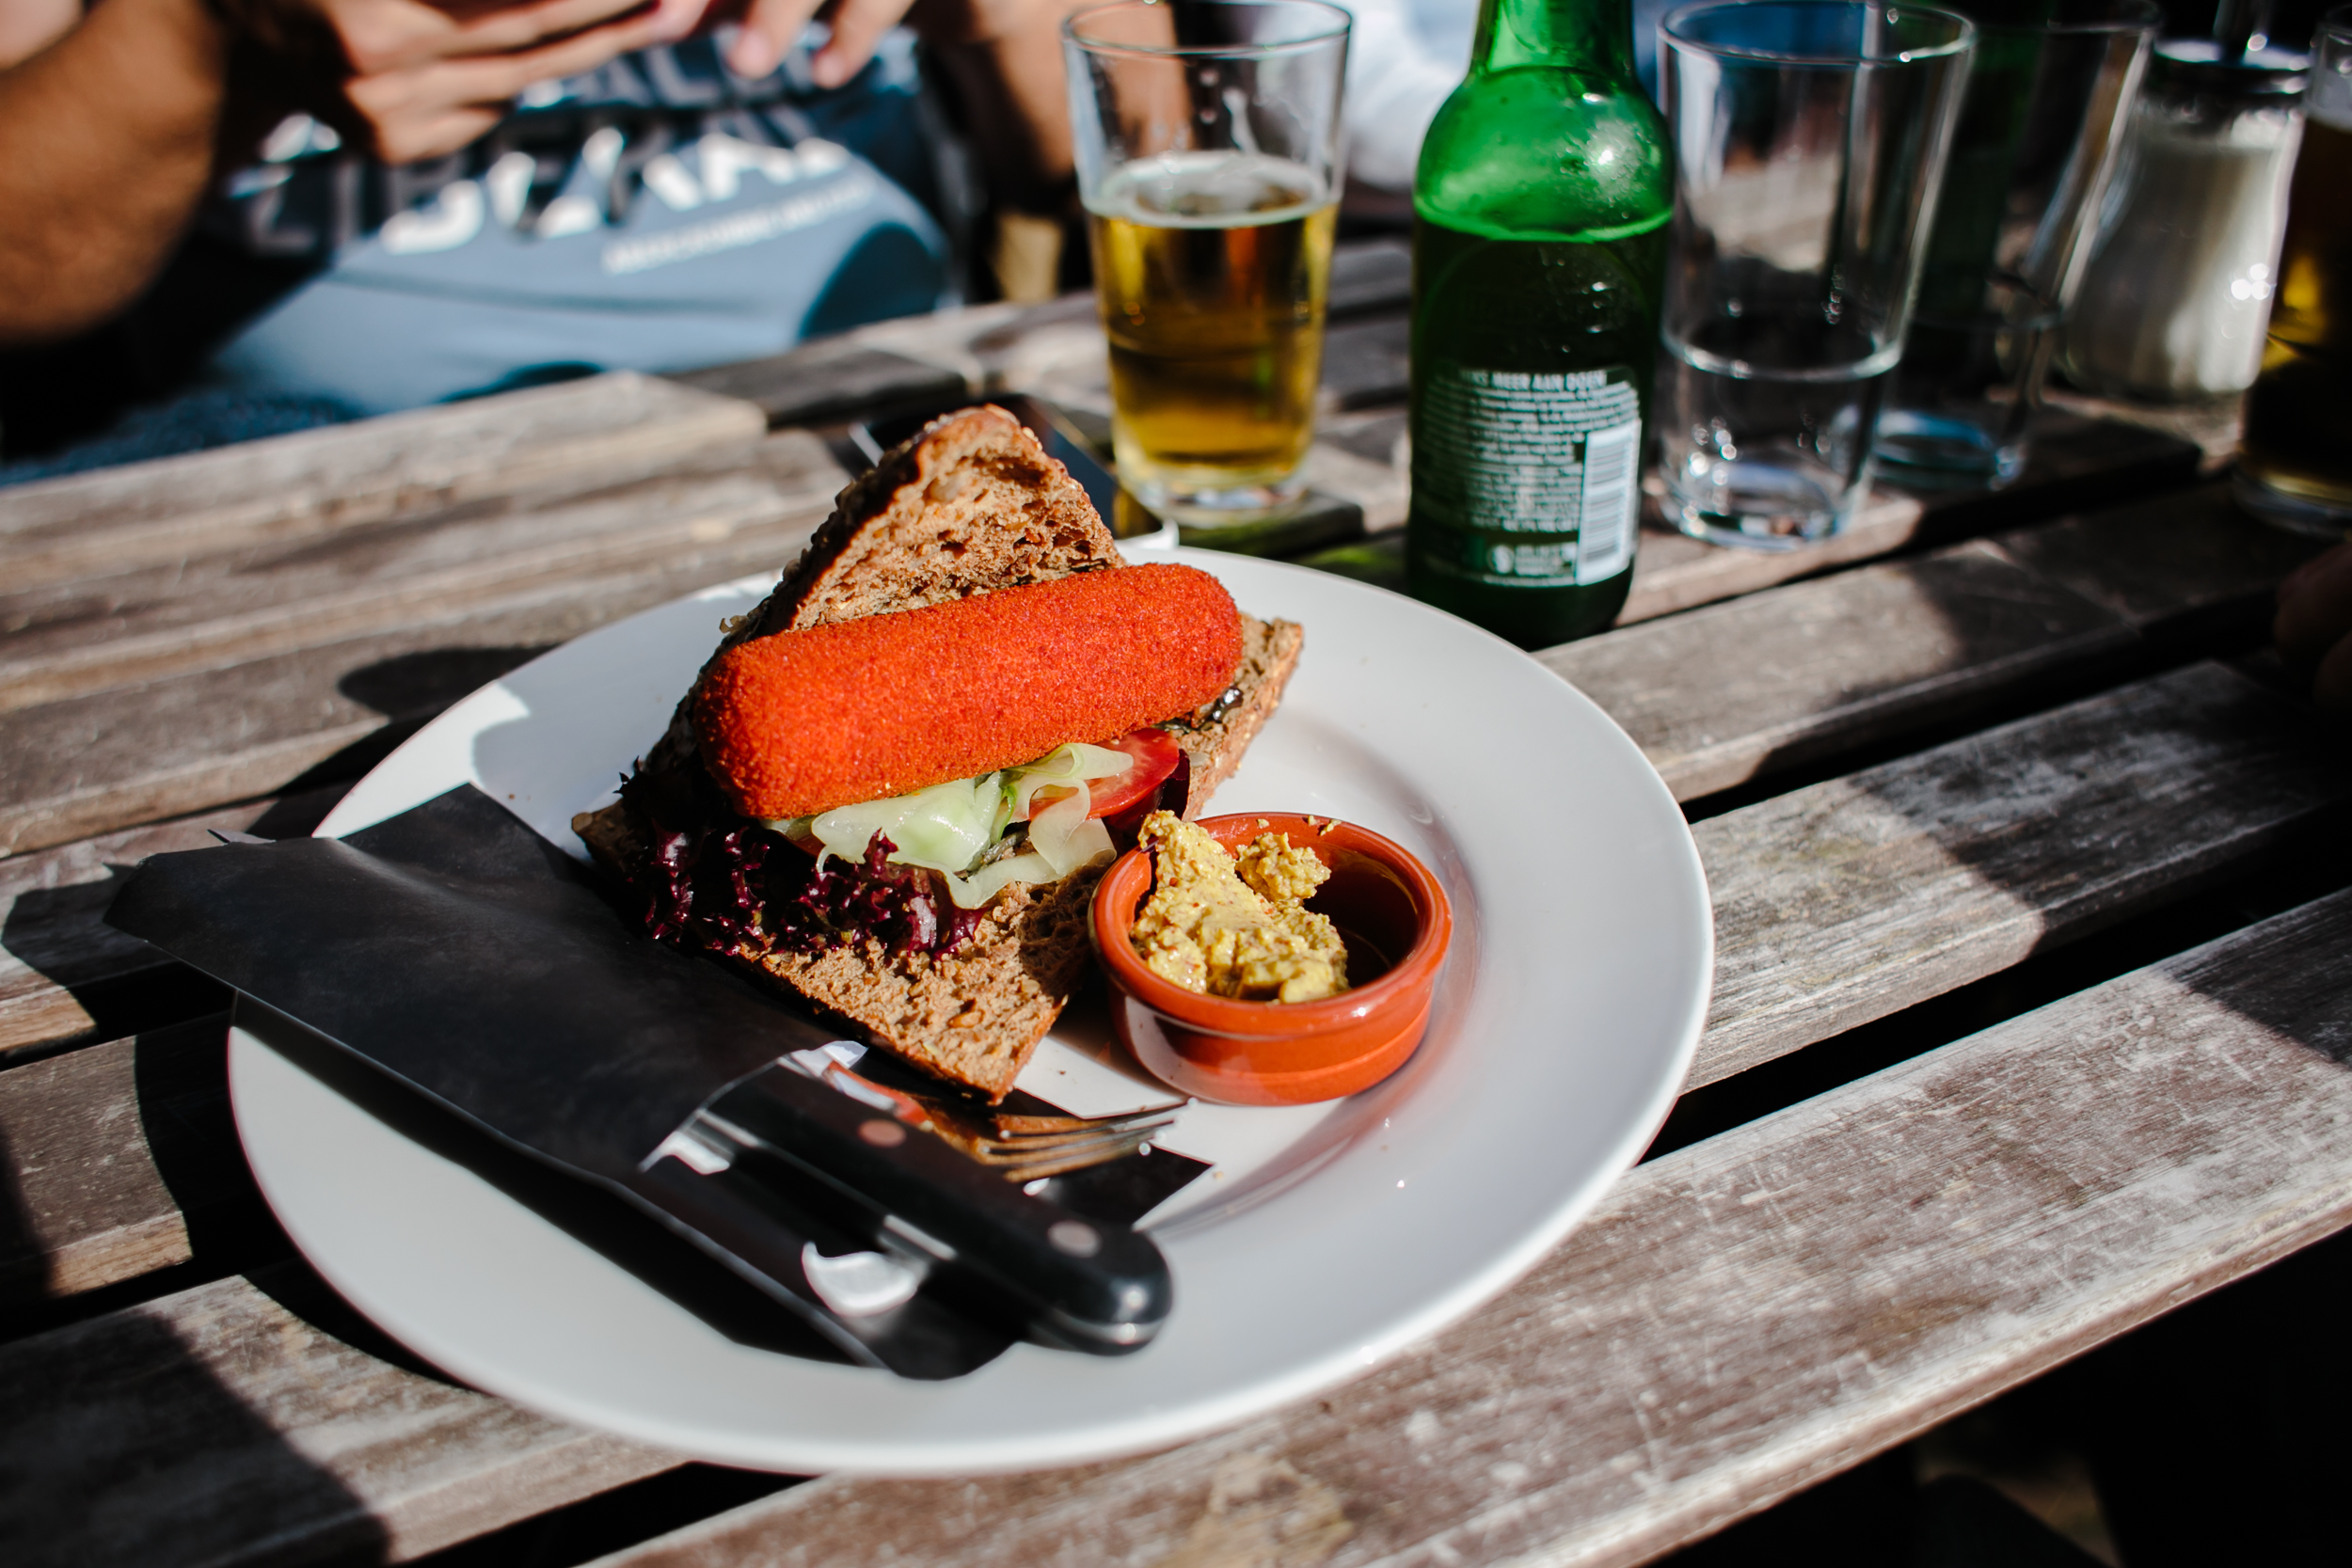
[{"x": 1923, "y": 1156}]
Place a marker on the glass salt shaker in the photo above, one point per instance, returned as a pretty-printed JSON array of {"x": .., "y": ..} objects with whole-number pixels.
[{"x": 2174, "y": 302}]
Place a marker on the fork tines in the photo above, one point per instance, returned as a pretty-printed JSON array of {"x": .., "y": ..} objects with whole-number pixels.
[{"x": 1029, "y": 1148}]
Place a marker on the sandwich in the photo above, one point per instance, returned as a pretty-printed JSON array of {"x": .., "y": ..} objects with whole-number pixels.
[{"x": 892, "y": 790}]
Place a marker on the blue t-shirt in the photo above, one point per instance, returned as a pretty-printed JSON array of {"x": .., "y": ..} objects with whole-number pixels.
[{"x": 658, "y": 214}]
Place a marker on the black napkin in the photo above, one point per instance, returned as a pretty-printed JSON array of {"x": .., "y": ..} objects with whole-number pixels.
[{"x": 455, "y": 950}]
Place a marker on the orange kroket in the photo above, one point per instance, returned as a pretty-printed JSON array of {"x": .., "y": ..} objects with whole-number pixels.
[{"x": 803, "y": 721}]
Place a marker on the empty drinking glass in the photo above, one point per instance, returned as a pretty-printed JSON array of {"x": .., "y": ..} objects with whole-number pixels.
[
  {"x": 2047, "y": 104},
  {"x": 1810, "y": 138}
]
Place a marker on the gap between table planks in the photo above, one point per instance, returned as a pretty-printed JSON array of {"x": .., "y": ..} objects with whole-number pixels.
[
  {"x": 287, "y": 488},
  {"x": 2109, "y": 1156},
  {"x": 1835, "y": 905},
  {"x": 2104, "y": 1159},
  {"x": 1721, "y": 694}
]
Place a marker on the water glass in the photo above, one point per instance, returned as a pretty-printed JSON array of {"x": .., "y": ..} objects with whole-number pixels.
[
  {"x": 1810, "y": 138},
  {"x": 2047, "y": 104},
  {"x": 1208, "y": 151}
]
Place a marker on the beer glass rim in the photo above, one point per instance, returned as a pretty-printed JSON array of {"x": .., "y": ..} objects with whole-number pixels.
[
  {"x": 1673, "y": 29},
  {"x": 1336, "y": 22}
]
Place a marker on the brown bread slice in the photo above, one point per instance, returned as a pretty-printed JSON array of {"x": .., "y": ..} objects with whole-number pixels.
[
  {"x": 1215, "y": 737},
  {"x": 969, "y": 505}
]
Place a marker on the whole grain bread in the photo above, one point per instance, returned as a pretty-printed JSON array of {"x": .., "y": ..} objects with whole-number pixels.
[
  {"x": 1214, "y": 738},
  {"x": 970, "y": 504}
]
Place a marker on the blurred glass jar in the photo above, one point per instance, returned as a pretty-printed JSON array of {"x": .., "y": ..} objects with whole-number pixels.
[
  {"x": 2295, "y": 463},
  {"x": 2178, "y": 291}
]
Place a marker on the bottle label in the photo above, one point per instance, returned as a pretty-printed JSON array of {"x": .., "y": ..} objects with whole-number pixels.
[{"x": 1554, "y": 456}]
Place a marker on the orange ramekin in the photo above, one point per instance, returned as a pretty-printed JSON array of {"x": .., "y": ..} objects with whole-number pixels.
[{"x": 1397, "y": 922}]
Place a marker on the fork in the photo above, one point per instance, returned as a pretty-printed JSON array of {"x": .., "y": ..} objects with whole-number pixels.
[{"x": 1022, "y": 1147}]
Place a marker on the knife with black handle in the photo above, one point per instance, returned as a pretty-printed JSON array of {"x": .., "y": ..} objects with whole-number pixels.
[{"x": 1073, "y": 1282}]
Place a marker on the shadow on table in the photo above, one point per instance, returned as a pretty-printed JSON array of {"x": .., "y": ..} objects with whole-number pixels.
[
  {"x": 25, "y": 1268},
  {"x": 410, "y": 690},
  {"x": 56, "y": 931},
  {"x": 122, "y": 1446}
]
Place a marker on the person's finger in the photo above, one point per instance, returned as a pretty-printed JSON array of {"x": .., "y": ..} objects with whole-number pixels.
[
  {"x": 769, "y": 27},
  {"x": 412, "y": 113},
  {"x": 383, "y": 36},
  {"x": 504, "y": 32},
  {"x": 2314, "y": 608},
  {"x": 402, "y": 117},
  {"x": 498, "y": 77},
  {"x": 857, "y": 28}
]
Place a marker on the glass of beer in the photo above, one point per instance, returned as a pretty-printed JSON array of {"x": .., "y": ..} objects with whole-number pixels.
[
  {"x": 2293, "y": 464},
  {"x": 1208, "y": 155}
]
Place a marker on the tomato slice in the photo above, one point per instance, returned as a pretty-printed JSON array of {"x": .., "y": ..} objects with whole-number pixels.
[{"x": 1155, "y": 753}]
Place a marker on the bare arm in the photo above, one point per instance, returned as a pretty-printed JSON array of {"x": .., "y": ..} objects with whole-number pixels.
[{"x": 105, "y": 143}]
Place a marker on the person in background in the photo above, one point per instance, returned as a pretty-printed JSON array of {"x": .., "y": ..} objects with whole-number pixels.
[{"x": 269, "y": 213}]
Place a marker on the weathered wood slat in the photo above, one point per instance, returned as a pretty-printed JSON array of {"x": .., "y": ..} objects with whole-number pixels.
[
  {"x": 129, "y": 627},
  {"x": 217, "y": 1426},
  {"x": 87, "y": 1150},
  {"x": 2184, "y": 567},
  {"x": 1743, "y": 1317},
  {"x": 1721, "y": 694},
  {"x": 65, "y": 974},
  {"x": 316, "y": 482},
  {"x": 1850, "y": 899},
  {"x": 93, "y": 764}
]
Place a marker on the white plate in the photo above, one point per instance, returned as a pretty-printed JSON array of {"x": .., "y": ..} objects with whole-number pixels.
[{"x": 1327, "y": 1239}]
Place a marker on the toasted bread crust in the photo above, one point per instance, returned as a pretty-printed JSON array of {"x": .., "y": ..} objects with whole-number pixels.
[
  {"x": 1217, "y": 739},
  {"x": 970, "y": 505}
]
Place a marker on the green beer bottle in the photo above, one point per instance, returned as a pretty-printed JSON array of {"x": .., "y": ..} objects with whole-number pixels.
[{"x": 1542, "y": 198}]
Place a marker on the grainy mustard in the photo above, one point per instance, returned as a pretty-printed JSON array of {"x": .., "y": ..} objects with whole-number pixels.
[{"x": 1236, "y": 925}]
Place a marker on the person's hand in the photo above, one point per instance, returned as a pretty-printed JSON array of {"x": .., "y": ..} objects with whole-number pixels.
[
  {"x": 420, "y": 78},
  {"x": 2314, "y": 629},
  {"x": 769, "y": 27}
]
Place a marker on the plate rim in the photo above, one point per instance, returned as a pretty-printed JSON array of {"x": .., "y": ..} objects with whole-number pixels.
[{"x": 896, "y": 1454}]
